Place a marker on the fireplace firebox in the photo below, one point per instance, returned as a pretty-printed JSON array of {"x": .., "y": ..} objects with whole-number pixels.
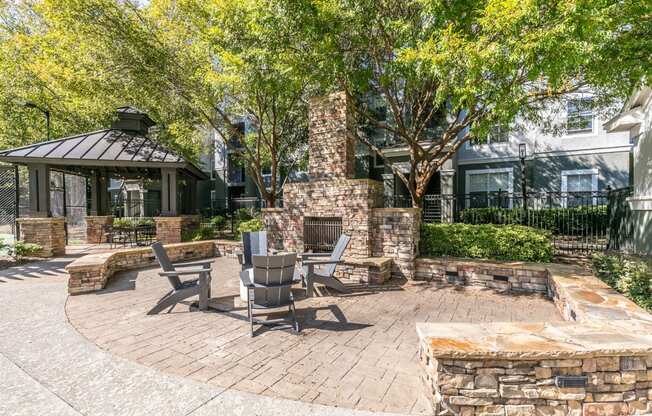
[{"x": 320, "y": 234}]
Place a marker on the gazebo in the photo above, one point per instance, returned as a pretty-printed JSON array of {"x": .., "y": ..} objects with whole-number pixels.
[{"x": 123, "y": 151}]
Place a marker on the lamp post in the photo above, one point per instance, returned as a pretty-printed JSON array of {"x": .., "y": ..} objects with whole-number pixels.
[
  {"x": 522, "y": 154},
  {"x": 45, "y": 111}
]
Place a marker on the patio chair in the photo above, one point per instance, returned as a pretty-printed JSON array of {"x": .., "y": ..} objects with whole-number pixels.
[
  {"x": 269, "y": 286},
  {"x": 253, "y": 244},
  {"x": 182, "y": 290},
  {"x": 328, "y": 262}
]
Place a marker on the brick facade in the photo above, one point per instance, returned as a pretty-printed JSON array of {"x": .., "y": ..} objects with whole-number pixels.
[
  {"x": 96, "y": 228},
  {"x": 49, "y": 233}
]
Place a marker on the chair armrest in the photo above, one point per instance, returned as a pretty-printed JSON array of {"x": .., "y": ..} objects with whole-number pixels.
[
  {"x": 320, "y": 262},
  {"x": 245, "y": 278},
  {"x": 193, "y": 263},
  {"x": 307, "y": 255},
  {"x": 240, "y": 256},
  {"x": 185, "y": 272}
]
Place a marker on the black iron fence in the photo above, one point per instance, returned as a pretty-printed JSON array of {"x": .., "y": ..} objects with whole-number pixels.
[{"x": 578, "y": 221}]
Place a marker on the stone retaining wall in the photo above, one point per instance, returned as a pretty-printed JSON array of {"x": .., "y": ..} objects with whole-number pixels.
[
  {"x": 515, "y": 368},
  {"x": 95, "y": 228},
  {"x": 504, "y": 276},
  {"x": 617, "y": 385},
  {"x": 91, "y": 272}
]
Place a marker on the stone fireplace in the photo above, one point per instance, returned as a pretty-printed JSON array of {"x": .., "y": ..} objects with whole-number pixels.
[{"x": 378, "y": 236}]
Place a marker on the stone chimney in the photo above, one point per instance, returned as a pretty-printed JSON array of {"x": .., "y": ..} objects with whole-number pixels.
[{"x": 331, "y": 140}]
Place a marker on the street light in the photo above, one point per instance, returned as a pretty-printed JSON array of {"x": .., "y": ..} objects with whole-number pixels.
[
  {"x": 46, "y": 112},
  {"x": 522, "y": 154}
]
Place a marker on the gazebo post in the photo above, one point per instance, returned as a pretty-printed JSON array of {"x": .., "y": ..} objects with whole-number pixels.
[
  {"x": 170, "y": 225},
  {"x": 40, "y": 228},
  {"x": 39, "y": 190},
  {"x": 169, "y": 192}
]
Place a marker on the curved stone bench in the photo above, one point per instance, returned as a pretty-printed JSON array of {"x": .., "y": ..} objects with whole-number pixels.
[
  {"x": 91, "y": 272},
  {"x": 519, "y": 368}
]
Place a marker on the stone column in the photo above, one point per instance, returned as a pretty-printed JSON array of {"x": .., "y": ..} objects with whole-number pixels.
[
  {"x": 95, "y": 228},
  {"x": 447, "y": 190},
  {"x": 331, "y": 142},
  {"x": 168, "y": 192},
  {"x": 49, "y": 233},
  {"x": 396, "y": 236},
  {"x": 39, "y": 190},
  {"x": 170, "y": 230},
  {"x": 273, "y": 218}
]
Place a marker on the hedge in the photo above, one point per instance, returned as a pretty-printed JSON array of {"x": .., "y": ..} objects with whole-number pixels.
[
  {"x": 628, "y": 275},
  {"x": 562, "y": 221},
  {"x": 487, "y": 241}
]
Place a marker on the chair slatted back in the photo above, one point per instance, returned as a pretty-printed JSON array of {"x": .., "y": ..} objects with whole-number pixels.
[
  {"x": 269, "y": 271},
  {"x": 337, "y": 254},
  {"x": 253, "y": 244},
  {"x": 166, "y": 265}
]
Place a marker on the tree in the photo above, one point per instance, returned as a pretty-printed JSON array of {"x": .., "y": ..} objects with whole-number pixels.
[
  {"x": 188, "y": 63},
  {"x": 449, "y": 72}
]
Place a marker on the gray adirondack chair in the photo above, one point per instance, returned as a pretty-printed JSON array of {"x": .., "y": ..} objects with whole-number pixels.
[
  {"x": 328, "y": 261},
  {"x": 182, "y": 289},
  {"x": 269, "y": 286},
  {"x": 253, "y": 244}
]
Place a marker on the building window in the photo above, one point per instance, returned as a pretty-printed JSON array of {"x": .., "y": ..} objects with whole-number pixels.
[
  {"x": 498, "y": 134},
  {"x": 489, "y": 187},
  {"x": 579, "y": 115},
  {"x": 379, "y": 162},
  {"x": 578, "y": 187}
]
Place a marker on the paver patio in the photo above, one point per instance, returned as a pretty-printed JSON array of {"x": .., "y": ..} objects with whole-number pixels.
[{"x": 357, "y": 351}]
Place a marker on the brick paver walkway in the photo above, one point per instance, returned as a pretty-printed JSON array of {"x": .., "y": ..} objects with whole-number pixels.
[{"x": 357, "y": 351}]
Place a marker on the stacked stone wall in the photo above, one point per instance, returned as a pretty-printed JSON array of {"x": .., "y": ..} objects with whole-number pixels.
[
  {"x": 49, "y": 233},
  {"x": 616, "y": 385},
  {"x": 96, "y": 227},
  {"x": 170, "y": 230},
  {"x": 395, "y": 234},
  {"x": 499, "y": 276},
  {"x": 352, "y": 200},
  {"x": 91, "y": 272}
]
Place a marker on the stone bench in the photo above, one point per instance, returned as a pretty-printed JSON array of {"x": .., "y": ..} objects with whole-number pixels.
[
  {"x": 91, "y": 272},
  {"x": 516, "y": 368}
]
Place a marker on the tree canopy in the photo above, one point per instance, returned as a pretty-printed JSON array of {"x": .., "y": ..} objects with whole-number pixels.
[
  {"x": 187, "y": 63},
  {"x": 449, "y": 72}
]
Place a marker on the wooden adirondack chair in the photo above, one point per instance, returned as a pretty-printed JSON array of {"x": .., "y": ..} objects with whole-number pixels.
[
  {"x": 329, "y": 261},
  {"x": 182, "y": 289},
  {"x": 269, "y": 286}
]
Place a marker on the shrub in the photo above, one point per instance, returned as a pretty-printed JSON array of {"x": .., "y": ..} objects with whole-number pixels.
[
  {"x": 252, "y": 225},
  {"x": 488, "y": 241},
  {"x": 564, "y": 221},
  {"x": 630, "y": 276},
  {"x": 218, "y": 222},
  {"x": 243, "y": 214},
  {"x": 23, "y": 249}
]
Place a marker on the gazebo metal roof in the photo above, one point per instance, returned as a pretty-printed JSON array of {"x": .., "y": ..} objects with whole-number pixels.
[{"x": 116, "y": 150}]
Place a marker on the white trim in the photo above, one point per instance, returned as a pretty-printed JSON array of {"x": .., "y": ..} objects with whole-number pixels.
[
  {"x": 544, "y": 155},
  {"x": 510, "y": 180},
  {"x": 564, "y": 182}
]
